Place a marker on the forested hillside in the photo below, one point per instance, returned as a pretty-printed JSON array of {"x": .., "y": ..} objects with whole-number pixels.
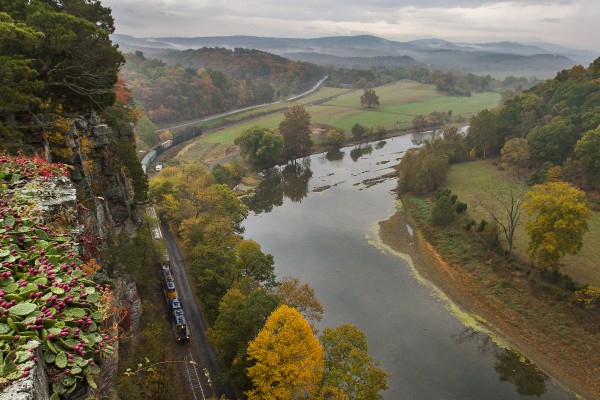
[
  {"x": 560, "y": 121},
  {"x": 196, "y": 83}
]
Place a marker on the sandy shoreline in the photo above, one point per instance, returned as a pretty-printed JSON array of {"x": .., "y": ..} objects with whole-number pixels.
[{"x": 504, "y": 324}]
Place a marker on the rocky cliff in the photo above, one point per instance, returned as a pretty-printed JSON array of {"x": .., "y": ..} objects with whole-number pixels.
[{"x": 96, "y": 201}]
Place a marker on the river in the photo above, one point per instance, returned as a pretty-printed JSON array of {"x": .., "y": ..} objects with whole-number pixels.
[{"x": 328, "y": 238}]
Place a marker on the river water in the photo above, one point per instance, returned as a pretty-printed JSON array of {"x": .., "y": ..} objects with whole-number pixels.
[{"x": 328, "y": 238}]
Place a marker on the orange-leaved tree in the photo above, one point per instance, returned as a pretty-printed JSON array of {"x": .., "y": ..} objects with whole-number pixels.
[{"x": 288, "y": 358}]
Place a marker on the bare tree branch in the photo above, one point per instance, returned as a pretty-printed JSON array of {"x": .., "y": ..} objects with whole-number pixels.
[{"x": 503, "y": 203}]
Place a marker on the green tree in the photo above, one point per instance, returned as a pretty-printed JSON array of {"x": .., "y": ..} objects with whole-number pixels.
[
  {"x": 482, "y": 133},
  {"x": 442, "y": 212},
  {"x": 261, "y": 146},
  {"x": 552, "y": 142},
  {"x": 288, "y": 358},
  {"x": 558, "y": 215},
  {"x": 412, "y": 176},
  {"x": 19, "y": 83},
  {"x": 255, "y": 264},
  {"x": 358, "y": 131},
  {"x": 240, "y": 319},
  {"x": 369, "y": 98},
  {"x": 207, "y": 217},
  {"x": 295, "y": 129},
  {"x": 75, "y": 59},
  {"x": 147, "y": 131},
  {"x": 587, "y": 150},
  {"x": 348, "y": 366},
  {"x": 455, "y": 144}
]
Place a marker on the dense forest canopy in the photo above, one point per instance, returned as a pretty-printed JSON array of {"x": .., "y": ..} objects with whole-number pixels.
[
  {"x": 284, "y": 74},
  {"x": 559, "y": 118},
  {"x": 212, "y": 80},
  {"x": 55, "y": 57}
]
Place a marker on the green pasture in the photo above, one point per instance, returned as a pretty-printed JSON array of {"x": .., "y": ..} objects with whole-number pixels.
[
  {"x": 398, "y": 92},
  {"x": 467, "y": 179},
  {"x": 321, "y": 94},
  {"x": 228, "y": 135},
  {"x": 399, "y": 104},
  {"x": 399, "y": 101}
]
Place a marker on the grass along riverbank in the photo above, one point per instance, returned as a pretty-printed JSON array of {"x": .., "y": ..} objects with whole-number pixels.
[
  {"x": 535, "y": 317},
  {"x": 467, "y": 180}
]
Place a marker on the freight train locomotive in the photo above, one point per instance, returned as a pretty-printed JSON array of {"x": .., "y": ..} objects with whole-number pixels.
[{"x": 175, "y": 309}]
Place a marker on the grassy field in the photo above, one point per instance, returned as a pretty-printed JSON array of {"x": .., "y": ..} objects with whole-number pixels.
[
  {"x": 399, "y": 103},
  {"x": 228, "y": 135},
  {"x": 467, "y": 179}
]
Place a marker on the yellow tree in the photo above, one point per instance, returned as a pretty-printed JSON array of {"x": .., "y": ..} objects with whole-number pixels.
[
  {"x": 558, "y": 215},
  {"x": 515, "y": 153},
  {"x": 288, "y": 358}
]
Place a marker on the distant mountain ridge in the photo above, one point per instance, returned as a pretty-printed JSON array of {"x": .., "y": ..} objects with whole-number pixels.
[{"x": 367, "y": 50}]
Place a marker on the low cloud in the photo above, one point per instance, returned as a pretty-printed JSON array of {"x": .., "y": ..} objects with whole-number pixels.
[{"x": 569, "y": 22}]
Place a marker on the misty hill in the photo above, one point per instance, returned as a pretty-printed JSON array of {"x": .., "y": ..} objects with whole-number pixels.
[
  {"x": 212, "y": 80},
  {"x": 352, "y": 51}
]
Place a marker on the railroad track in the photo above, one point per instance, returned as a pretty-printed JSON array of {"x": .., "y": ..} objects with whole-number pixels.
[{"x": 194, "y": 375}]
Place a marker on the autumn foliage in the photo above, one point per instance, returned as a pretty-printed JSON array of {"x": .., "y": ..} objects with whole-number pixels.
[
  {"x": 289, "y": 359},
  {"x": 558, "y": 214}
]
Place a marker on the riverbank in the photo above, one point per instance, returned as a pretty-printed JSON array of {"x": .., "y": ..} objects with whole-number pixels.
[{"x": 555, "y": 341}]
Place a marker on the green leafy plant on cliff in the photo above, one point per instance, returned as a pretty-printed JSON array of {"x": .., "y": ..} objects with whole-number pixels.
[{"x": 47, "y": 299}]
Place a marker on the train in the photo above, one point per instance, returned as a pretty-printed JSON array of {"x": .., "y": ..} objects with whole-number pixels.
[
  {"x": 182, "y": 332},
  {"x": 159, "y": 149}
]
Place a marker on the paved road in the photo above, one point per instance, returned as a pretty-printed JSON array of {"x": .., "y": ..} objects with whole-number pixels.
[
  {"x": 192, "y": 312},
  {"x": 215, "y": 116}
]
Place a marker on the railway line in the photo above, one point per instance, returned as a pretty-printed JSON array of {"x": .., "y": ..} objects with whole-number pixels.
[{"x": 197, "y": 358}]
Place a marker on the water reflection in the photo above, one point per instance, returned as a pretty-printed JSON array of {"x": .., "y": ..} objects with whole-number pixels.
[
  {"x": 510, "y": 366},
  {"x": 380, "y": 145},
  {"x": 360, "y": 151},
  {"x": 295, "y": 180},
  {"x": 290, "y": 180},
  {"x": 335, "y": 155},
  {"x": 269, "y": 193}
]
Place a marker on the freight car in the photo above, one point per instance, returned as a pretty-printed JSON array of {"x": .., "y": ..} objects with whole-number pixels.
[{"x": 159, "y": 149}]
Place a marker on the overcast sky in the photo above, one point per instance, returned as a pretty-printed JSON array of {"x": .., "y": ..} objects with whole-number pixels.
[{"x": 575, "y": 23}]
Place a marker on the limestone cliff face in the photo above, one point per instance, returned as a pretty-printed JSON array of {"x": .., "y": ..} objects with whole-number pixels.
[
  {"x": 97, "y": 198},
  {"x": 103, "y": 189}
]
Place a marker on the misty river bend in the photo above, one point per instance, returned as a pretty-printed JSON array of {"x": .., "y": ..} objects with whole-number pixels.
[{"x": 319, "y": 218}]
